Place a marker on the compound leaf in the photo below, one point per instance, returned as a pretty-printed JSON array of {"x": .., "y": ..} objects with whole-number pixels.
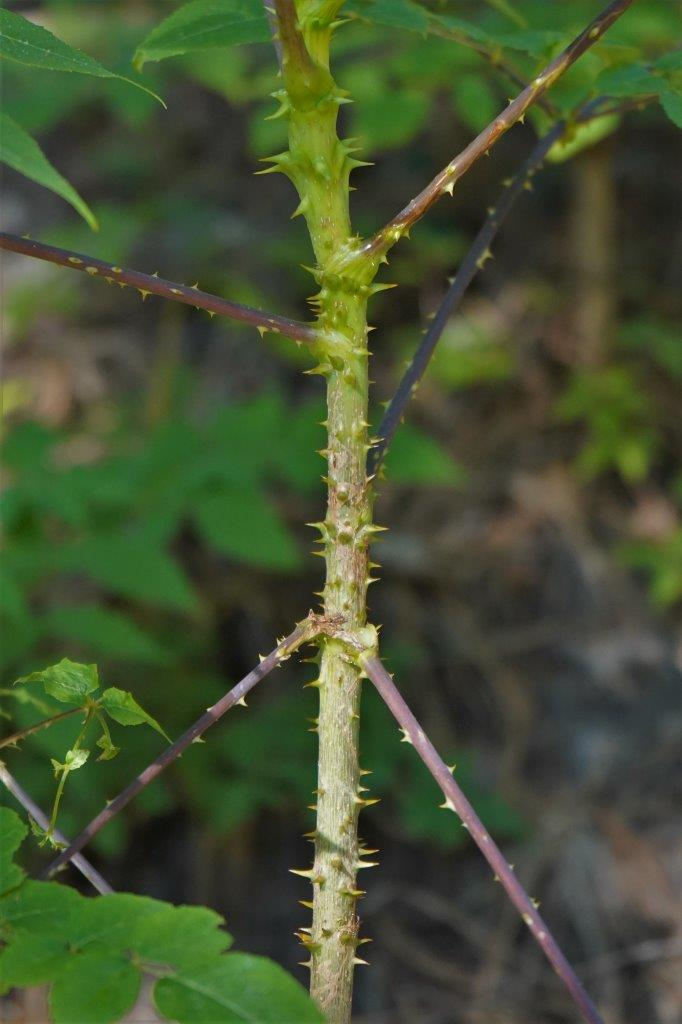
[
  {"x": 236, "y": 988},
  {"x": 96, "y": 987}
]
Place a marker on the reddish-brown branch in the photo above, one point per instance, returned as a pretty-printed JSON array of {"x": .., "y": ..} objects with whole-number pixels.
[
  {"x": 21, "y": 796},
  {"x": 305, "y": 631},
  {"x": 469, "y": 267},
  {"x": 459, "y": 165},
  {"x": 17, "y": 737},
  {"x": 150, "y": 284},
  {"x": 455, "y": 800}
]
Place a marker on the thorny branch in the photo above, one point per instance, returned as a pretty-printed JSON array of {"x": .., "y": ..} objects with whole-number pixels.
[
  {"x": 445, "y": 181},
  {"x": 305, "y": 631},
  {"x": 473, "y": 262},
  {"x": 456, "y": 801},
  {"x": 150, "y": 284},
  {"x": 21, "y": 796}
]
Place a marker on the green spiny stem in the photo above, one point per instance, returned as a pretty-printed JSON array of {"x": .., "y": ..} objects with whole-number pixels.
[{"x": 319, "y": 163}]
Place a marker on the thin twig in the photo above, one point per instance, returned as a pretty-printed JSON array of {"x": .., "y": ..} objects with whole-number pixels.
[
  {"x": 459, "y": 165},
  {"x": 150, "y": 284},
  {"x": 469, "y": 267},
  {"x": 85, "y": 867},
  {"x": 472, "y": 263},
  {"x": 305, "y": 631},
  {"x": 455, "y": 800},
  {"x": 17, "y": 737}
]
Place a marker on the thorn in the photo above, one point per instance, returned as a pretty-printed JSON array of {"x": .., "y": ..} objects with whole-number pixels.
[
  {"x": 447, "y": 805},
  {"x": 308, "y": 904}
]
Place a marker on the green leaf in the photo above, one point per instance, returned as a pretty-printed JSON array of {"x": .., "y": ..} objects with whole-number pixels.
[
  {"x": 19, "y": 151},
  {"x": 35, "y": 47},
  {"x": 74, "y": 760},
  {"x": 124, "y": 709},
  {"x": 396, "y": 13},
  {"x": 582, "y": 137},
  {"x": 236, "y": 988},
  {"x": 180, "y": 937},
  {"x": 241, "y": 523},
  {"x": 132, "y": 567},
  {"x": 474, "y": 101},
  {"x": 12, "y": 834},
  {"x": 670, "y": 61},
  {"x": 203, "y": 25},
  {"x": 31, "y": 960},
  {"x": 95, "y": 987},
  {"x": 109, "y": 633},
  {"x": 109, "y": 750},
  {"x": 632, "y": 80},
  {"x": 68, "y": 681},
  {"x": 671, "y": 101},
  {"x": 415, "y": 458}
]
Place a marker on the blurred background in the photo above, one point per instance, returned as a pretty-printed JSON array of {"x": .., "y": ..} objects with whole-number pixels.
[{"x": 159, "y": 465}]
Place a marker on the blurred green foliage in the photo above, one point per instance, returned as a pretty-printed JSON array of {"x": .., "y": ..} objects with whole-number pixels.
[{"x": 101, "y": 549}]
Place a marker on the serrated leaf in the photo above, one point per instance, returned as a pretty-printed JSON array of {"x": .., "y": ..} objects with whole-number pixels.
[
  {"x": 203, "y": 25},
  {"x": 241, "y": 523},
  {"x": 12, "y": 834},
  {"x": 96, "y": 987},
  {"x": 415, "y": 458},
  {"x": 180, "y": 937},
  {"x": 23, "y": 154},
  {"x": 68, "y": 681},
  {"x": 124, "y": 709},
  {"x": 108, "y": 633},
  {"x": 236, "y": 988},
  {"x": 32, "y": 45}
]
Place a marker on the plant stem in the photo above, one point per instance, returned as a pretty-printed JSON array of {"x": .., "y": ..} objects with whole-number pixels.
[
  {"x": 17, "y": 737},
  {"x": 456, "y": 801},
  {"x": 21, "y": 796},
  {"x": 319, "y": 163},
  {"x": 306, "y": 630},
  {"x": 444, "y": 182},
  {"x": 151, "y": 284}
]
